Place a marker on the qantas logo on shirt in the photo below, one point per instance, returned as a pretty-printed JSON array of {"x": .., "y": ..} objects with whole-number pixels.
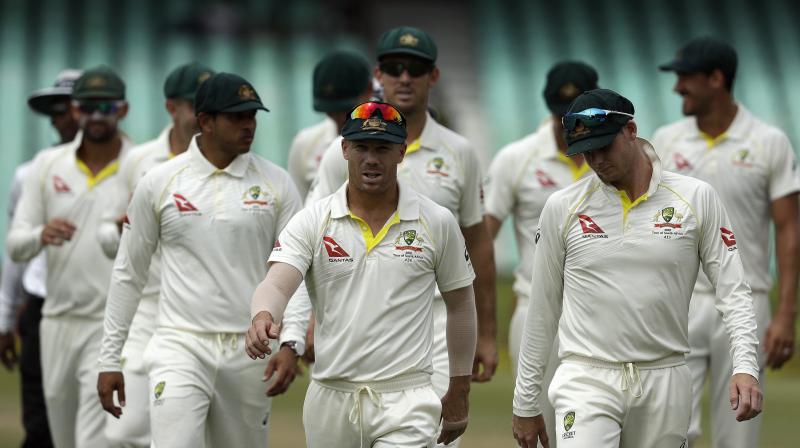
[
  {"x": 590, "y": 228},
  {"x": 335, "y": 252},
  {"x": 183, "y": 204},
  {"x": 544, "y": 179},
  {"x": 728, "y": 238},
  {"x": 60, "y": 186},
  {"x": 680, "y": 162}
]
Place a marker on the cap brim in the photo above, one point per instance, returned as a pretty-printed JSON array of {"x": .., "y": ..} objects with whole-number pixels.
[
  {"x": 678, "y": 67},
  {"x": 407, "y": 51},
  {"x": 590, "y": 144},
  {"x": 43, "y": 103},
  {"x": 376, "y": 135},
  {"x": 244, "y": 107}
]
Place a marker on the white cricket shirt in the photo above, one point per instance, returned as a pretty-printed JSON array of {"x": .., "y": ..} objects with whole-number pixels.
[
  {"x": 521, "y": 177},
  {"x": 750, "y": 165},
  {"x": 626, "y": 273},
  {"x": 59, "y": 185},
  {"x": 215, "y": 228},
  {"x": 373, "y": 294},
  {"x": 306, "y": 152}
]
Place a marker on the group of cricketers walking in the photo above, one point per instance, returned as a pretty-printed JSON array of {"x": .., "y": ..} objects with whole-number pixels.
[{"x": 183, "y": 279}]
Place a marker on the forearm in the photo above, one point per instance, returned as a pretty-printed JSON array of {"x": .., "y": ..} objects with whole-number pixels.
[
  {"x": 461, "y": 330},
  {"x": 10, "y": 293},
  {"x": 123, "y": 300},
  {"x": 296, "y": 319},
  {"x": 787, "y": 247},
  {"x": 481, "y": 253},
  {"x": 273, "y": 293}
]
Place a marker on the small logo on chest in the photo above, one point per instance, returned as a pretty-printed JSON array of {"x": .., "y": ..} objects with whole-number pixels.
[
  {"x": 590, "y": 228},
  {"x": 437, "y": 167},
  {"x": 743, "y": 158},
  {"x": 667, "y": 223},
  {"x": 409, "y": 245},
  {"x": 336, "y": 253},
  {"x": 255, "y": 198},
  {"x": 183, "y": 205},
  {"x": 60, "y": 186}
]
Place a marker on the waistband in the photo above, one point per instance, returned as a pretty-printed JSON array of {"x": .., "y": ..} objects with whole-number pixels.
[
  {"x": 674, "y": 360},
  {"x": 396, "y": 384}
]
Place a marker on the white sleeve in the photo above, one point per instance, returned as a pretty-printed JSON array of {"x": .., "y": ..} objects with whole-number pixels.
[
  {"x": 453, "y": 265},
  {"x": 462, "y": 329},
  {"x": 720, "y": 259},
  {"x": 331, "y": 175},
  {"x": 499, "y": 186},
  {"x": 784, "y": 178},
  {"x": 140, "y": 237},
  {"x": 296, "y": 165},
  {"x": 24, "y": 239},
  {"x": 544, "y": 311},
  {"x": 296, "y": 319},
  {"x": 12, "y": 273},
  {"x": 470, "y": 207}
]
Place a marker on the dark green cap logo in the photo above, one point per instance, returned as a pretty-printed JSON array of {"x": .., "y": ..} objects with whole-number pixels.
[
  {"x": 668, "y": 213},
  {"x": 569, "y": 420},
  {"x": 159, "y": 389},
  {"x": 409, "y": 236}
]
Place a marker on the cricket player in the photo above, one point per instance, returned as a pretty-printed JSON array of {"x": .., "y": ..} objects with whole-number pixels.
[
  {"x": 441, "y": 165},
  {"x": 215, "y": 212},
  {"x": 617, "y": 257},
  {"x": 372, "y": 255},
  {"x": 23, "y": 284},
  {"x": 753, "y": 168},
  {"x": 179, "y": 89},
  {"x": 521, "y": 178},
  {"x": 341, "y": 80},
  {"x": 60, "y": 210}
]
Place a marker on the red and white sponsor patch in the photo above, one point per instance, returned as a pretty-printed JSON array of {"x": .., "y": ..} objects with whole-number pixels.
[
  {"x": 680, "y": 162},
  {"x": 183, "y": 204},
  {"x": 544, "y": 179},
  {"x": 727, "y": 237},
  {"x": 588, "y": 225},
  {"x": 60, "y": 186},
  {"x": 333, "y": 248}
]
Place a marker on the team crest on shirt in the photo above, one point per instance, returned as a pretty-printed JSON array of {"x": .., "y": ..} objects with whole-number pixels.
[
  {"x": 569, "y": 422},
  {"x": 743, "y": 158},
  {"x": 158, "y": 391},
  {"x": 437, "y": 167},
  {"x": 255, "y": 198},
  {"x": 408, "y": 246},
  {"x": 668, "y": 223}
]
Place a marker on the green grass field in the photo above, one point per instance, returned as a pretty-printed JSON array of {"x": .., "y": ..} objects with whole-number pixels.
[{"x": 490, "y": 413}]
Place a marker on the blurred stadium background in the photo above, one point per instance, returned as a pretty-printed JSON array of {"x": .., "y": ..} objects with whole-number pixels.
[{"x": 493, "y": 57}]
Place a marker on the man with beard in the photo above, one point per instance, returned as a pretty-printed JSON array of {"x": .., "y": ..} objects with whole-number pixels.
[
  {"x": 179, "y": 89},
  {"x": 214, "y": 212},
  {"x": 752, "y": 165},
  {"x": 60, "y": 210},
  {"x": 24, "y": 283},
  {"x": 438, "y": 163}
]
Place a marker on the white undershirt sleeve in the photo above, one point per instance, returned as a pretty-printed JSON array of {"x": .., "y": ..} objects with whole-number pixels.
[
  {"x": 462, "y": 329},
  {"x": 139, "y": 242},
  {"x": 11, "y": 281},
  {"x": 24, "y": 239},
  {"x": 544, "y": 311},
  {"x": 296, "y": 320},
  {"x": 720, "y": 259}
]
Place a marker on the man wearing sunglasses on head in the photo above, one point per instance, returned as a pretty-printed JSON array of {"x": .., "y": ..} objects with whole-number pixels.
[
  {"x": 23, "y": 284},
  {"x": 214, "y": 212},
  {"x": 752, "y": 165},
  {"x": 521, "y": 178},
  {"x": 372, "y": 255},
  {"x": 616, "y": 260},
  {"x": 133, "y": 429},
  {"x": 441, "y": 165},
  {"x": 60, "y": 211}
]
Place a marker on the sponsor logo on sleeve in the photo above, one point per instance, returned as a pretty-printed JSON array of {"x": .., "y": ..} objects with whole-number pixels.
[
  {"x": 728, "y": 238},
  {"x": 590, "y": 228}
]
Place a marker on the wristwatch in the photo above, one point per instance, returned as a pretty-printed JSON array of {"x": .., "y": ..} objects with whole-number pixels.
[{"x": 292, "y": 346}]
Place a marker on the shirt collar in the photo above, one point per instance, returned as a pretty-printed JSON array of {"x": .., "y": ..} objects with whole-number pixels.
[
  {"x": 204, "y": 168},
  {"x": 407, "y": 204},
  {"x": 736, "y": 131},
  {"x": 429, "y": 138}
]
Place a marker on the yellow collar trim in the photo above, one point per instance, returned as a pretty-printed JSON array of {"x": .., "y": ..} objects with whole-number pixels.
[
  {"x": 414, "y": 147},
  {"x": 370, "y": 239},
  {"x": 577, "y": 171},
  {"x": 94, "y": 179},
  {"x": 627, "y": 205},
  {"x": 713, "y": 141}
]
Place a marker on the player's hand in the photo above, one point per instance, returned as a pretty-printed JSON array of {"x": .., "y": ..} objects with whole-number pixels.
[
  {"x": 529, "y": 430},
  {"x": 308, "y": 354},
  {"x": 284, "y": 367},
  {"x": 261, "y": 330},
  {"x": 107, "y": 383},
  {"x": 779, "y": 341},
  {"x": 8, "y": 350},
  {"x": 57, "y": 231},
  {"x": 455, "y": 410},
  {"x": 120, "y": 222},
  {"x": 746, "y": 397},
  {"x": 486, "y": 359}
]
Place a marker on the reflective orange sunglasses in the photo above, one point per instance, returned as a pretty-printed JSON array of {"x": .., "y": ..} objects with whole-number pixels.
[{"x": 388, "y": 112}]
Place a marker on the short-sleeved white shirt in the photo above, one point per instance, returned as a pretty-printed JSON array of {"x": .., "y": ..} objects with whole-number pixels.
[
  {"x": 374, "y": 307},
  {"x": 750, "y": 165},
  {"x": 60, "y": 185},
  {"x": 521, "y": 177},
  {"x": 306, "y": 152}
]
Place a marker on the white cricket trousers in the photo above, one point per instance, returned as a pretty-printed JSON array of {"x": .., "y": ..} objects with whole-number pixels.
[
  {"x": 132, "y": 429},
  {"x": 515, "y": 332},
  {"x": 710, "y": 356},
  {"x": 402, "y": 412},
  {"x": 600, "y": 404},
  {"x": 70, "y": 347},
  {"x": 205, "y": 391}
]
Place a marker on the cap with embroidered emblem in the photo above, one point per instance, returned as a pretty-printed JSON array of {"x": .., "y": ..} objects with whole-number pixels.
[
  {"x": 339, "y": 79},
  {"x": 183, "y": 81},
  {"x": 375, "y": 120},
  {"x": 407, "y": 40},
  {"x": 99, "y": 82},
  {"x": 227, "y": 93},
  {"x": 565, "y": 81}
]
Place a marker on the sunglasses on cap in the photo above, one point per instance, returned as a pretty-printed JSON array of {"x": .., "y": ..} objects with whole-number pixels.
[
  {"x": 415, "y": 69},
  {"x": 388, "y": 112},
  {"x": 104, "y": 107},
  {"x": 589, "y": 117}
]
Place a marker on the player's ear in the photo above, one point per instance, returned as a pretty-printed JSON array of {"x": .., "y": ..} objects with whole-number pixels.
[
  {"x": 403, "y": 148},
  {"x": 345, "y": 149},
  {"x": 434, "y": 76},
  {"x": 123, "y": 111},
  {"x": 630, "y": 126},
  {"x": 717, "y": 79},
  {"x": 204, "y": 122}
]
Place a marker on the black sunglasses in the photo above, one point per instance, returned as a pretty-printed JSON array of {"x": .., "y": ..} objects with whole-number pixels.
[{"x": 415, "y": 68}]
